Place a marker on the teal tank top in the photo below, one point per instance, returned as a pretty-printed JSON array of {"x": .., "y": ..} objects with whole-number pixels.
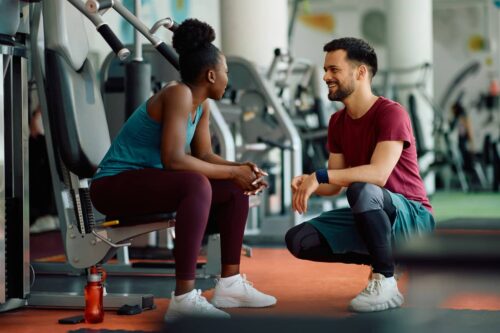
[{"x": 137, "y": 145}]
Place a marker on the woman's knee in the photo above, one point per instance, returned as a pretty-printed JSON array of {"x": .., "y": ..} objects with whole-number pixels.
[
  {"x": 198, "y": 184},
  {"x": 225, "y": 191},
  {"x": 237, "y": 192}
]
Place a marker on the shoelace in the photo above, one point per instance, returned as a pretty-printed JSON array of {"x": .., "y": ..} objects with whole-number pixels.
[
  {"x": 243, "y": 280},
  {"x": 201, "y": 302},
  {"x": 246, "y": 284},
  {"x": 373, "y": 287}
]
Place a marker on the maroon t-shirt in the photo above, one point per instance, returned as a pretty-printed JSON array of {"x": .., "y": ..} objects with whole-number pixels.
[{"x": 385, "y": 121}]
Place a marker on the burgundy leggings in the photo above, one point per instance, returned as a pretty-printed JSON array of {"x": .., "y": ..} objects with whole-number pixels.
[{"x": 193, "y": 196}]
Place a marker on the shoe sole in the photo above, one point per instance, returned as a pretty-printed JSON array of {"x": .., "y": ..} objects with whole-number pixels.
[
  {"x": 394, "y": 302},
  {"x": 172, "y": 316},
  {"x": 229, "y": 302}
]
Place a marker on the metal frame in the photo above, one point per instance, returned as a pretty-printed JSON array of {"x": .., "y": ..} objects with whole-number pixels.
[
  {"x": 265, "y": 225},
  {"x": 14, "y": 215},
  {"x": 65, "y": 209}
]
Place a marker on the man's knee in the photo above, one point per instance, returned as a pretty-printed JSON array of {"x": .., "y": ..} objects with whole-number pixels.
[
  {"x": 304, "y": 242},
  {"x": 293, "y": 241},
  {"x": 363, "y": 197}
]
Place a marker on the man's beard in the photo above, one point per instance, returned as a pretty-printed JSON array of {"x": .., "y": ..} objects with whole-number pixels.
[{"x": 341, "y": 93}]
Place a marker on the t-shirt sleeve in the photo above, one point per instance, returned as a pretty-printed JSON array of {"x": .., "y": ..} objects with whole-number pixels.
[
  {"x": 394, "y": 125},
  {"x": 334, "y": 134}
]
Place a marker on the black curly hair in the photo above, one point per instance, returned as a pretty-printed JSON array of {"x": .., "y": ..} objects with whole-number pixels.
[
  {"x": 193, "y": 42},
  {"x": 357, "y": 50}
]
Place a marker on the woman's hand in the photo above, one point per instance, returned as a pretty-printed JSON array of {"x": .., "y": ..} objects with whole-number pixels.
[
  {"x": 244, "y": 177},
  {"x": 261, "y": 184},
  {"x": 258, "y": 171}
]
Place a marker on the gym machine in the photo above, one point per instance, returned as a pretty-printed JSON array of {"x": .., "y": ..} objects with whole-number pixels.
[
  {"x": 264, "y": 133},
  {"x": 14, "y": 217},
  {"x": 445, "y": 154},
  {"x": 296, "y": 85},
  {"x": 123, "y": 266}
]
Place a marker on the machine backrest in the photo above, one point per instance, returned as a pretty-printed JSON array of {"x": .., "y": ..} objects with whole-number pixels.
[
  {"x": 10, "y": 17},
  {"x": 417, "y": 127},
  {"x": 76, "y": 110},
  {"x": 112, "y": 78}
]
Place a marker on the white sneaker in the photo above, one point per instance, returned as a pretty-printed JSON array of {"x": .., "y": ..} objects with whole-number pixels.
[
  {"x": 45, "y": 223},
  {"x": 192, "y": 304},
  {"x": 381, "y": 294},
  {"x": 238, "y": 292}
]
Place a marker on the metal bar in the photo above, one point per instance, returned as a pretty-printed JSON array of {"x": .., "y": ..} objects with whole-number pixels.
[
  {"x": 137, "y": 35},
  {"x": 20, "y": 146},
  {"x": 141, "y": 27},
  {"x": 3, "y": 296}
]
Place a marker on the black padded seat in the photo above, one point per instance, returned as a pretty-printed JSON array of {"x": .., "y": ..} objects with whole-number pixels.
[{"x": 143, "y": 219}]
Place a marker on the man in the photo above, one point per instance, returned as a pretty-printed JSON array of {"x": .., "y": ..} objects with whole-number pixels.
[{"x": 373, "y": 155}]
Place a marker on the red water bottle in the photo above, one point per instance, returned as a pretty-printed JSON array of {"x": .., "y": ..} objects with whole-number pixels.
[{"x": 94, "y": 310}]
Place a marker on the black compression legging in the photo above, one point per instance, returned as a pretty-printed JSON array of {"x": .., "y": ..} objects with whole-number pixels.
[
  {"x": 305, "y": 242},
  {"x": 193, "y": 196},
  {"x": 374, "y": 215}
]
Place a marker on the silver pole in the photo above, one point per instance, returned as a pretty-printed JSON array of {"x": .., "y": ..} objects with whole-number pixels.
[
  {"x": 3, "y": 291},
  {"x": 137, "y": 35}
]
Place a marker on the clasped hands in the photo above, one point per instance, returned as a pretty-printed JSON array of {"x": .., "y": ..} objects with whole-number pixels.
[{"x": 250, "y": 178}]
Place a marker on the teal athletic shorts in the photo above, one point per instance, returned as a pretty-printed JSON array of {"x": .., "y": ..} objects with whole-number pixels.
[{"x": 339, "y": 228}]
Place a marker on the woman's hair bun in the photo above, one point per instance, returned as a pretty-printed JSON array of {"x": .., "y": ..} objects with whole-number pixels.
[{"x": 192, "y": 35}]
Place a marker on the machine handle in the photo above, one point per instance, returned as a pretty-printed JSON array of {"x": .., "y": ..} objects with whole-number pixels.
[
  {"x": 113, "y": 41},
  {"x": 165, "y": 22},
  {"x": 168, "y": 54},
  {"x": 94, "y": 6}
]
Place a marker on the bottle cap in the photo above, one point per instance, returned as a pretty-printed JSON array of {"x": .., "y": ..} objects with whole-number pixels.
[{"x": 94, "y": 278}]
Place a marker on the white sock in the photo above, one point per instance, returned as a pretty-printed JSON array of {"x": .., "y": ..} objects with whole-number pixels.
[{"x": 227, "y": 281}]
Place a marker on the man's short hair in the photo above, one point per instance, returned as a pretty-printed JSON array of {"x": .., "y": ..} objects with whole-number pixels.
[{"x": 357, "y": 50}]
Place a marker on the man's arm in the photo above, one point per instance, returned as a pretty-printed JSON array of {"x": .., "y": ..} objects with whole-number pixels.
[
  {"x": 384, "y": 159},
  {"x": 335, "y": 162}
]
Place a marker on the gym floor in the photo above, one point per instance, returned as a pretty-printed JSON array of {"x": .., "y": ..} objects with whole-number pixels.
[{"x": 312, "y": 295}]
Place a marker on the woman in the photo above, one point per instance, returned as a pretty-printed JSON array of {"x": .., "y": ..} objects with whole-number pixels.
[{"x": 147, "y": 170}]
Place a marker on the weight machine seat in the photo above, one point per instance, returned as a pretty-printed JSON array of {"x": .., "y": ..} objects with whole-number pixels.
[{"x": 168, "y": 218}]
